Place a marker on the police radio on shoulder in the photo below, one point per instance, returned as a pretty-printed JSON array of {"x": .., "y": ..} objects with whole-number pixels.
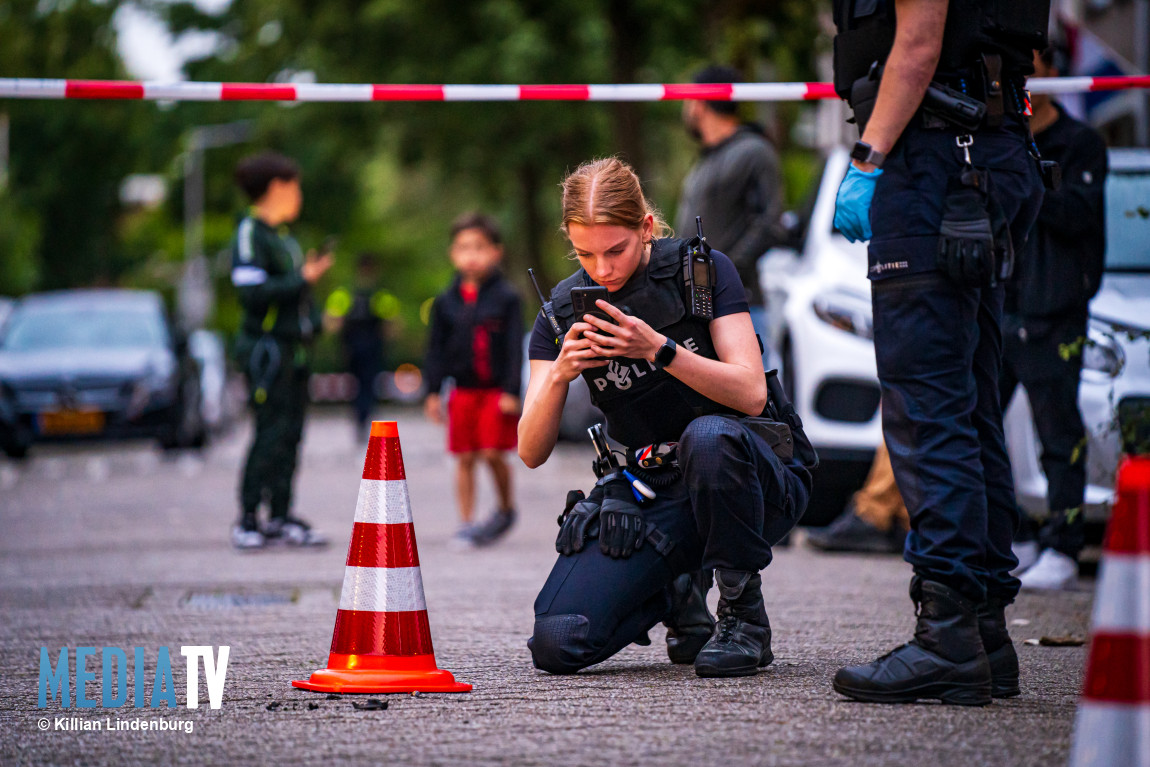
[{"x": 699, "y": 275}]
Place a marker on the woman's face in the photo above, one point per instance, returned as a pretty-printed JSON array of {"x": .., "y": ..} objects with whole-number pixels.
[{"x": 609, "y": 253}]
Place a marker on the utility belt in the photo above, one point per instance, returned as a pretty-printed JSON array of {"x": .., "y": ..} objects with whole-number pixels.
[
  {"x": 613, "y": 510},
  {"x": 974, "y": 246},
  {"x": 981, "y": 96}
]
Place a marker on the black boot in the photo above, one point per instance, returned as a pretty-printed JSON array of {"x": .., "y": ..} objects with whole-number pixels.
[
  {"x": 999, "y": 649},
  {"x": 690, "y": 623},
  {"x": 741, "y": 642},
  {"x": 945, "y": 660}
]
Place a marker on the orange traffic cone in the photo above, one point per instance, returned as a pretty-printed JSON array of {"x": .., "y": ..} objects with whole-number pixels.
[
  {"x": 1113, "y": 723},
  {"x": 382, "y": 640}
]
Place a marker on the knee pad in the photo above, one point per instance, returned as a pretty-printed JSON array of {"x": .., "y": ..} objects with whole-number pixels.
[
  {"x": 701, "y": 447},
  {"x": 559, "y": 643}
]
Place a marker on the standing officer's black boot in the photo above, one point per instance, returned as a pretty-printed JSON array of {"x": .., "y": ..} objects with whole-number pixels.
[
  {"x": 999, "y": 649},
  {"x": 689, "y": 624},
  {"x": 945, "y": 660},
  {"x": 741, "y": 642}
]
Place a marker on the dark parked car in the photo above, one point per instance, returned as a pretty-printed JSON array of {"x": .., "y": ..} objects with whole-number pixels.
[{"x": 96, "y": 363}]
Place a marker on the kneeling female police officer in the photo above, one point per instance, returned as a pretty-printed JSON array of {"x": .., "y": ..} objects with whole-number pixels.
[{"x": 661, "y": 373}]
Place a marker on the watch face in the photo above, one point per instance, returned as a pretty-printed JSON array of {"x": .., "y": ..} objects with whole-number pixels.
[{"x": 860, "y": 152}]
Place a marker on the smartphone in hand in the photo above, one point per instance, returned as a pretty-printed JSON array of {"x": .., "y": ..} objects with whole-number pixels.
[{"x": 583, "y": 302}]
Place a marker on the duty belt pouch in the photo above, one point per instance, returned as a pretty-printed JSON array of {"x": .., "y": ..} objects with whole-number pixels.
[
  {"x": 863, "y": 93},
  {"x": 774, "y": 433},
  {"x": 974, "y": 244},
  {"x": 856, "y": 51}
]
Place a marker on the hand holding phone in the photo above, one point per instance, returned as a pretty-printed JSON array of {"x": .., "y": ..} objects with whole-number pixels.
[{"x": 583, "y": 302}]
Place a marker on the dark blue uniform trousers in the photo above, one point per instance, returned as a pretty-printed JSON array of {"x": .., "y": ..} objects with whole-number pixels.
[
  {"x": 735, "y": 499},
  {"x": 938, "y": 346}
]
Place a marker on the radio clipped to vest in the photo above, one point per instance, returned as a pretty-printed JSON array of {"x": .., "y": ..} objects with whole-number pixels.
[
  {"x": 699, "y": 275},
  {"x": 548, "y": 309}
]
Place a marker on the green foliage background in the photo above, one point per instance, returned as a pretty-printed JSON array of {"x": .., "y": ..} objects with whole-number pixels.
[{"x": 386, "y": 178}]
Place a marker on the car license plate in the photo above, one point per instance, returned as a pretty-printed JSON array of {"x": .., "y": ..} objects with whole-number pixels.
[{"x": 72, "y": 422}]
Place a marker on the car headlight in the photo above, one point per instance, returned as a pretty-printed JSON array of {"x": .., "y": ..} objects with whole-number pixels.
[
  {"x": 849, "y": 312},
  {"x": 145, "y": 392},
  {"x": 1102, "y": 353}
]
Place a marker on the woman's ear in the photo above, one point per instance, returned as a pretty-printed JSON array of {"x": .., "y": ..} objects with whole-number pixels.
[{"x": 648, "y": 227}]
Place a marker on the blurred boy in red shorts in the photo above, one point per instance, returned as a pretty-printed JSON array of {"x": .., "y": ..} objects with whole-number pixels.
[{"x": 476, "y": 338}]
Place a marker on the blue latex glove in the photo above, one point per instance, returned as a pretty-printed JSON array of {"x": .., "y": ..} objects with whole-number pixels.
[{"x": 852, "y": 205}]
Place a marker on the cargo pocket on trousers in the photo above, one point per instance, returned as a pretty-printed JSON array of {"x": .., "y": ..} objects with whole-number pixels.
[{"x": 562, "y": 569}]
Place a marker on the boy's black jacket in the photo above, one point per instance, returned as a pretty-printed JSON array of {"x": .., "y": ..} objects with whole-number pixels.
[
  {"x": 450, "y": 348},
  {"x": 1061, "y": 269}
]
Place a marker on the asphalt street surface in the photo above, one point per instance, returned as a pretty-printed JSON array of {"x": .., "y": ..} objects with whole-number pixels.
[{"x": 119, "y": 546}]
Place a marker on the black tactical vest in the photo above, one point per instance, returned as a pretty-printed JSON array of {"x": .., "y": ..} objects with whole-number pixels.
[
  {"x": 642, "y": 402},
  {"x": 1011, "y": 28}
]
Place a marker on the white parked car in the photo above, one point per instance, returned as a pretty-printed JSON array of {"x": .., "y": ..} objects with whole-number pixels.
[
  {"x": 818, "y": 306},
  {"x": 819, "y": 315}
]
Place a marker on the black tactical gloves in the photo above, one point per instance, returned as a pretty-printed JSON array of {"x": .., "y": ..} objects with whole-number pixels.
[
  {"x": 966, "y": 238},
  {"x": 609, "y": 512},
  {"x": 974, "y": 245},
  {"x": 621, "y": 526},
  {"x": 577, "y": 521}
]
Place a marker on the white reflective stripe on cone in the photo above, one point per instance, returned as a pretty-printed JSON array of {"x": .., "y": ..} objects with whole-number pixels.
[
  {"x": 382, "y": 589},
  {"x": 1122, "y": 600},
  {"x": 383, "y": 502},
  {"x": 1111, "y": 735}
]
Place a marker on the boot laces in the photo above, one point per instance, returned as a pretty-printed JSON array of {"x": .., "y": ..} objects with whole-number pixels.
[
  {"x": 727, "y": 625},
  {"x": 881, "y": 658}
]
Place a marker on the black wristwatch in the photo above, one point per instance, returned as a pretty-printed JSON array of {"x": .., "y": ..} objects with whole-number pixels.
[
  {"x": 864, "y": 152},
  {"x": 666, "y": 352}
]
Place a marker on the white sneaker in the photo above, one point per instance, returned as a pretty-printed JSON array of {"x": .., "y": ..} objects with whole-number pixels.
[
  {"x": 1053, "y": 571},
  {"x": 247, "y": 539},
  {"x": 464, "y": 538},
  {"x": 294, "y": 532},
  {"x": 1026, "y": 552}
]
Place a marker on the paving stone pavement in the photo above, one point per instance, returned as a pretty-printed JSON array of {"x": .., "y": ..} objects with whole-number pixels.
[{"x": 119, "y": 546}]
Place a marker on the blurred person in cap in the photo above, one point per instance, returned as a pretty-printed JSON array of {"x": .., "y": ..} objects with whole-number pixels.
[
  {"x": 735, "y": 186},
  {"x": 274, "y": 280}
]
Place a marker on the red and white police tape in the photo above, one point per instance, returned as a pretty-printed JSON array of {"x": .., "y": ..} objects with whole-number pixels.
[{"x": 32, "y": 88}]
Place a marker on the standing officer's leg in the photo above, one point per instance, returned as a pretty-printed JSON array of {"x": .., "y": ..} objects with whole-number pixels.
[
  {"x": 926, "y": 334},
  {"x": 1019, "y": 194},
  {"x": 744, "y": 500},
  {"x": 1003, "y": 514}
]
